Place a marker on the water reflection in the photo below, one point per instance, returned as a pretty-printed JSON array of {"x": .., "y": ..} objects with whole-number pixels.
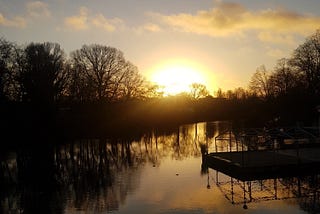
[
  {"x": 304, "y": 189},
  {"x": 87, "y": 174},
  {"x": 158, "y": 173}
]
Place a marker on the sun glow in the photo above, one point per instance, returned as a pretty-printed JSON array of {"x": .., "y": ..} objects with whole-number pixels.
[{"x": 176, "y": 77}]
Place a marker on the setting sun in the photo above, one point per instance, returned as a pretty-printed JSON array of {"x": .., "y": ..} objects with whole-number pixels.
[{"x": 176, "y": 77}]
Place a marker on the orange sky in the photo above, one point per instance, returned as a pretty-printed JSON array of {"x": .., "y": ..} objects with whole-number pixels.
[{"x": 225, "y": 41}]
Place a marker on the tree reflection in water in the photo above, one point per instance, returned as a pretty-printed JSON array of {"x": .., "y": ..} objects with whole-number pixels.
[
  {"x": 304, "y": 190},
  {"x": 98, "y": 175},
  {"x": 87, "y": 174}
]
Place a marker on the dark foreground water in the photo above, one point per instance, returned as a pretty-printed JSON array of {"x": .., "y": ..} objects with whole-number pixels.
[{"x": 160, "y": 173}]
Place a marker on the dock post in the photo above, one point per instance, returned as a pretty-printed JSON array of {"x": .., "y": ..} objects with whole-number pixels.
[
  {"x": 230, "y": 143},
  {"x": 208, "y": 181},
  {"x": 217, "y": 178},
  {"x": 275, "y": 188},
  {"x": 215, "y": 144},
  {"x": 244, "y": 196},
  {"x": 237, "y": 146},
  {"x": 232, "y": 193},
  {"x": 242, "y": 154}
]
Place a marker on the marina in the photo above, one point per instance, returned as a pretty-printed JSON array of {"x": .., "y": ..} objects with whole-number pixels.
[
  {"x": 254, "y": 153},
  {"x": 253, "y": 165}
]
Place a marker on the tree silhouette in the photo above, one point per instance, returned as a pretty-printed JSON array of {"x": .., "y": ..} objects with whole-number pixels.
[
  {"x": 198, "y": 90},
  {"x": 260, "y": 83},
  {"x": 101, "y": 69},
  {"x": 134, "y": 85},
  {"x": 80, "y": 89},
  {"x": 6, "y": 64},
  {"x": 219, "y": 93},
  {"x": 306, "y": 59},
  {"x": 240, "y": 93},
  {"x": 284, "y": 78},
  {"x": 42, "y": 75}
]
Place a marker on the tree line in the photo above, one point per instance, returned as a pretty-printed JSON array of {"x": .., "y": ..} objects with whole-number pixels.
[
  {"x": 298, "y": 74},
  {"x": 102, "y": 89},
  {"x": 42, "y": 73},
  {"x": 288, "y": 93},
  {"x": 93, "y": 89}
]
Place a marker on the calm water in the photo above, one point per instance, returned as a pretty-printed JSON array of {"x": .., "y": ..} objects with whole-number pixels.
[{"x": 159, "y": 173}]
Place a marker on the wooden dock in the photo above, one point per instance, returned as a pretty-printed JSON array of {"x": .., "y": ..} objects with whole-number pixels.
[{"x": 256, "y": 165}]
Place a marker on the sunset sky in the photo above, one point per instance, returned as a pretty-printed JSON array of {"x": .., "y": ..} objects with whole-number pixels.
[{"x": 224, "y": 41}]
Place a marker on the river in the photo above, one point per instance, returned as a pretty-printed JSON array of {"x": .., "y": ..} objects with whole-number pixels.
[{"x": 159, "y": 172}]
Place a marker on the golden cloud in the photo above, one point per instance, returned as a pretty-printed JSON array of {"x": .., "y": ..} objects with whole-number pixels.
[
  {"x": 17, "y": 21},
  {"x": 38, "y": 9},
  {"x": 231, "y": 19},
  {"x": 152, "y": 27},
  {"x": 107, "y": 24},
  {"x": 78, "y": 22},
  {"x": 84, "y": 20},
  {"x": 34, "y": 10},
  {"x": 147, "y": 27}
]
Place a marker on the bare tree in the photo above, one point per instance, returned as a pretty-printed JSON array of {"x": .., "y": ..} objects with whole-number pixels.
[
  {"x": 306, "y": 59},
  {"x": 240, "y": 93},
  {"x": 198, "y": 90},
  {"x": 104, "y": 74},
  {"x": 4, "y": 71},
  {"x": 7, "y": 68},
  {"x": 80, "y": 88},
  {"x": 102, "y": 66},
  {"x": 134, "y": 85},
  {"x": 284, "y": 77},
  {"x": 220, "y": 94},
  {"x": 230, "y": 95},
  {"x": 260, "y": 82}
]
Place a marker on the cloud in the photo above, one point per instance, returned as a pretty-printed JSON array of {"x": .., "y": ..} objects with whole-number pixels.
[
  {"x": 148, "y": 27},
  {"x": 84, "y": 20},
  {"x": 78, "y": 22},
  {"x": 33, "y": 10},
  {"x": 152, "y": 27},
  {"x": 18, "y": 22},
  {"x": 38, "y": 9},
  {"x": 110, "y": 25},
  {"x": 233, "y": 19}
]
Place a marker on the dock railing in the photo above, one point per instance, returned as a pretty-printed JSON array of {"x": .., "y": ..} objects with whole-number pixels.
[{"x": 254, "y": 139}]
